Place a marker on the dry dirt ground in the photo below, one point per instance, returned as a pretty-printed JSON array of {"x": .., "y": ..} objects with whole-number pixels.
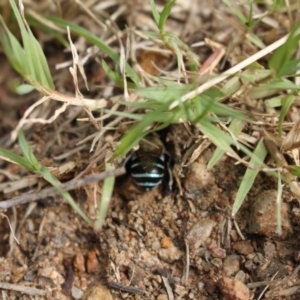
[{"x": 153, "y": 245}]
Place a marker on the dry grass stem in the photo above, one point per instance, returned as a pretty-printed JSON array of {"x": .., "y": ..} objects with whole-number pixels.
[
  {"x": 23, "y": 289},
  {"x": 64, "y": 187}
]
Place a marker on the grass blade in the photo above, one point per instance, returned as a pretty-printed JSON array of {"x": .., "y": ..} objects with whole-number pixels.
[
  {"x": 155, "y": 13},
  {"x": 286, "y": 104},
  {"x": 257, "y": 160},
  {"x": 165, "y": 14},
  {"x": 107, "y": 190},
  {"x": 236, "y": 128},
  {"x": 280, "y": 60}
]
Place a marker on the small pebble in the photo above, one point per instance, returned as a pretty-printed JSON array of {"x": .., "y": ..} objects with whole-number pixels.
[
  {"x": 240, "y": 276},
  {"x": 76, "y": 292},
  {"x": 198, "y": 177},
  {"x": 79, "y": 263},
  {"x": 199, "y": 233},
  {"x": 232, "y": 265},
  {"x": 243, "y": 247},
  {"x": 97, "y": 292},
  {"x": 166, "y": 242},
  {"x": 170, "y": 254},
  {"x": 92, "y": 263},
  {"x": 233, "y": 290},
  {"x": 263, "y": 218},
  {"x": 30, "y": 225}
]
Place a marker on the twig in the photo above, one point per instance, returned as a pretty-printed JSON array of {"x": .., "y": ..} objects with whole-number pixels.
[
  {"x": 11, "y": 228},
  {"x": 187, "y": 262},
  {"x": 167, "y": 285},
  {"x": 237, "y": 228},
  {"x": 23, "y": 289},
  {"x": 254, "y": 285},
  {"x": 71, "y": 185},
  {"x": 128, "y": 289},
  {"x": 267, "y": 286}
]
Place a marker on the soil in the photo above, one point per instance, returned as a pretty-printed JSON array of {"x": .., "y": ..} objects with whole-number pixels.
[{"x": 184, "y": 244}]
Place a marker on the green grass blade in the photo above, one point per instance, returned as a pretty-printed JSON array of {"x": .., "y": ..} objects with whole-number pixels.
[
  {"x": 281, "y": 84},
  {"x": 290, "y": 67},
  {"x": 43, "y": 75},
  {"x": 215, "y": 135},
  {"x": 22, "y": 89},
  {"x": 31, "y": 163},
  {"x": 107, "y": 190},
  {"x": 236, "y": 11},
  {"x": 295, "y": 170},
  {"x": 257, "y": 160},
  {"x": 280, "y": 60},
  {"x": 286, "y": 104},
  {"x": 30, "y": 60},
  {"x": 165, "y": 14},
  {"x": 113, "y": 75},
  {"x": 277, "y": 101},
  {"x": 48, "y": 176},
  {"x": 37, "y": 63},
  {"x": 138, "y": 131},
  {"x": 151, "y": 35},
  {"x": 27, "y": 152},
  {"x": 33, "y": 22},
  {"x": 155, "y": 13},
  {"x": 236, "y": 128},
  {"x": 163, "y": 94},
  {"x": 15, "y": 158},
  {"x": 13, "y": 50}
]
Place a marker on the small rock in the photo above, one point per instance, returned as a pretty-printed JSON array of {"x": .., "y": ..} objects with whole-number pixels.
[
  {"x": 170, "y": 254},
  {"x": 234, "y": 235},
  {"x": 97, "y": 292},
  {"x": 240, "y": 276},
  {"x": 233, "y": 290},
  {"x": 210, "y": 286},
  {"x": 263, "y": 216},
  {"x": 50, "y": 272},
  {"x": 199, "y": 233},
  {"x": 217, "y": 251},
  {"x": 249, "y": 265},
  {"x": 243, "y": 247},
  {"x": 297, "y": 256},
  {"x": 18, "y": 273},
  {"x": 198, "y": 177},
  {"x": 217, "y": 262},
  {"x": 79, "y": 262},
  {"x": 92, "y": 263},
  {"x": 30, "y": 276},
  {"x": 147, "y": 259},
  {"x": 76, "y": 292},
  {"x": 166, "y": 242},
  {"x": 156, "y": 245},
  {"x": 30, "y": 225},
  {"x": 231, "y": 265},
  {"x": 269, "y": 249}
]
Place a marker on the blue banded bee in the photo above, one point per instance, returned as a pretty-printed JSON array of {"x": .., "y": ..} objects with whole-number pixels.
[{"x": 149, "y": 166}]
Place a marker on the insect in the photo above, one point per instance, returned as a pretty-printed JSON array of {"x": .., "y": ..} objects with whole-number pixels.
[{"x": 149, "y": 166}]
